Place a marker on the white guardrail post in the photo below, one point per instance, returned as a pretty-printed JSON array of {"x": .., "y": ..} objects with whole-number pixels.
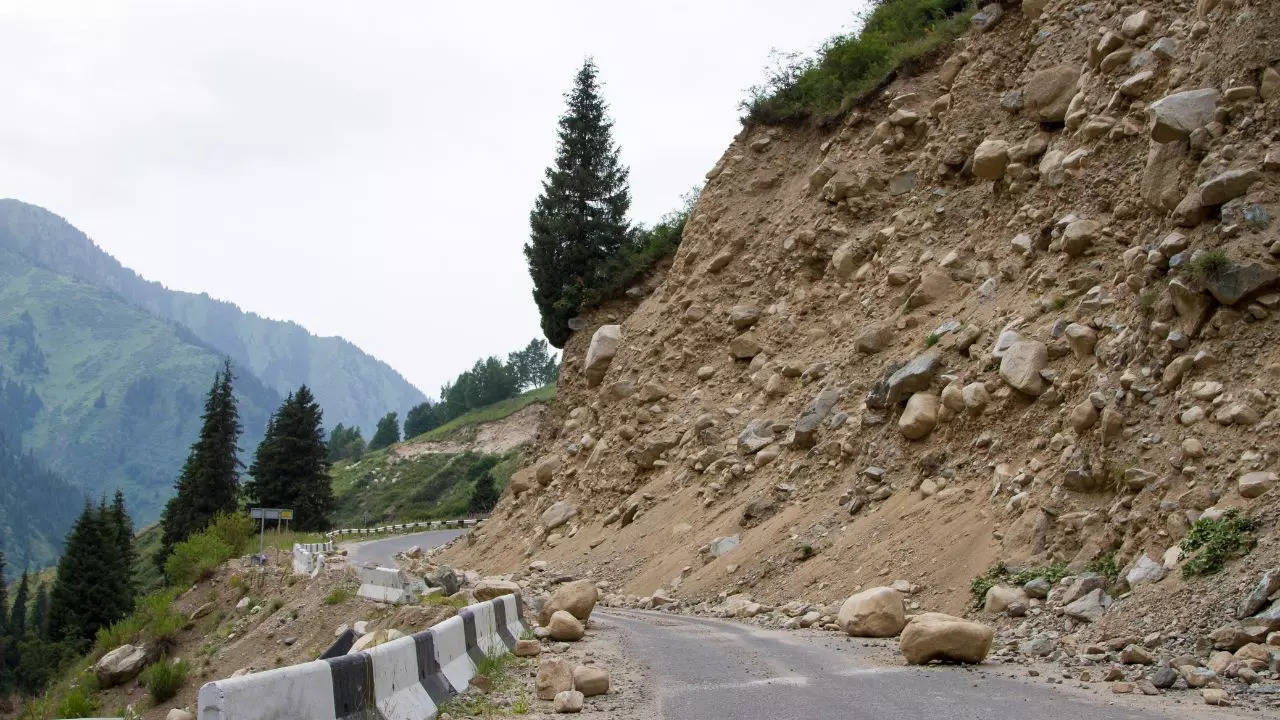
[{"x": 405, "y": 679}]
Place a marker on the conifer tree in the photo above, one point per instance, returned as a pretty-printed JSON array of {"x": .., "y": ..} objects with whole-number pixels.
[
  {"x": 4, "y": 599},
  {"x": 484, "y": 495},
  {"x": 388, "y": 432},
  {"x": 120, "y": 526},
  {"x": 77, "y": 606},
  {"x": 579, "y": 221},
  {"x": 291, "y": 466},
  {"x": 345, "y": 443},
  {"x": 18, "y": 614},
  {"x": 40, "y": 612},
  {"x": 210, "y": 480},
  {"x": 420, "y": 419}
]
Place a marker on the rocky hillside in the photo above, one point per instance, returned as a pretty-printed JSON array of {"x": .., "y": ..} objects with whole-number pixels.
[{"x": 1015, "y": 308}]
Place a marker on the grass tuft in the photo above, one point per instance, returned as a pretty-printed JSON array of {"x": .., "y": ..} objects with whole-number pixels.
[
  {"x": 1000, "y": 574},
  {"x": 165, "y": 678},
  {"x": 338, "y": 595},
  {"x": 1211, "y": 264}
]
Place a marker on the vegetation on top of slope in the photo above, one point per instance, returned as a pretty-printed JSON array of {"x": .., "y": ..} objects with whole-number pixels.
[
  {"x": 488, "y": 413},
  {"x": 894, "y": 34},
  {"x": 381, "y": 488}
]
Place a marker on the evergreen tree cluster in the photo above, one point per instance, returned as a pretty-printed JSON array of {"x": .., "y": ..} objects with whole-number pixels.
[
  {"x": 489, "y": 381},
  {"x": 291, "y": 466},
  {"x": 345, "y": 443},
  {"x": 93, "y": 588},
  {"x": 579, "y": 221},
  {"x": 387, "y": 433}
]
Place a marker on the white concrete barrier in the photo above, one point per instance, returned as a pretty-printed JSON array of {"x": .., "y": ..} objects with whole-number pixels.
[
  {"x": 389, "y": 585},
  {"x": 407, "y": 527},
  {"x": 308, "y": 558},
  {"x": 405, "y": 679}
]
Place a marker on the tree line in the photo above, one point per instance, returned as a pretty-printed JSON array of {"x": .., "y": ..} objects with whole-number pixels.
[
  {"x": 490, "y": 380},
  {"x": 54, "y": 622}
]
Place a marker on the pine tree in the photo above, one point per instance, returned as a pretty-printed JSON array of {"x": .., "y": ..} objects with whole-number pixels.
[
  {"x": 210, "y": 480},
  {"x": 484, "y": 495},
  {"x": 345, "y": 443},
  {"x": 40, "y": 612},
  {"x": 291, "y": 466},
  {"x": 122, "y": 560},
  {"x": 579, "y": 221},
  {"x": 4, "y": 600},
  {"x": 77, "y": 603},
  {"x": 18, "y": 614},
  {"x": 388, "y": 432},
  {"x": 420, "y": 419}
]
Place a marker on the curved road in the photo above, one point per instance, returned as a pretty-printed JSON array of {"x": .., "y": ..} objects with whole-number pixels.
[
  {"x": 712, "y": 670},
  {"x": 383, "y": 552}
]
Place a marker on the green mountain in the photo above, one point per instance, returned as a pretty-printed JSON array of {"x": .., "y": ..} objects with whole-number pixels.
[
  {"x": 106, "y": 394},
  {"x": 353, "y": 387},
  {"x": 36, "y": 508}
]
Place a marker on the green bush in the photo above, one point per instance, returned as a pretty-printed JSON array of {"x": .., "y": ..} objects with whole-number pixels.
[
  {"x": 847, "y": 67},
  {"x": 338, "y": 595},
  {"x": 234, "y": 530},
  {"x": 196, "y": 558},
  {"x": 165, "y": 678},
  {"x": 78, "y": 702},
  {"x": 154, "y": 620},
  {"x": 1211, "y": 542},
  {"x": 1000, "y": 574},
  {"x": 1105, "y": 565}
]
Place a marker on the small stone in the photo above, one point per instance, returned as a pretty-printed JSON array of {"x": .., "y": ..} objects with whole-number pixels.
[{"x": 568, "y": 701}]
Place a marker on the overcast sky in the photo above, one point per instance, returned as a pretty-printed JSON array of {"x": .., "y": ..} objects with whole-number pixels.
[{"x": 363, "y": 168}]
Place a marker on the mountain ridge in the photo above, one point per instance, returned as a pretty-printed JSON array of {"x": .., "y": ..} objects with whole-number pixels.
[{"x": 282, "y": 353}]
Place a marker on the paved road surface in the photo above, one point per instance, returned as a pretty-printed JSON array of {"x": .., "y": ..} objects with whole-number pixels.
[
  {"x": 383, "y": 551},
  {"x": 713, "y": 670}
]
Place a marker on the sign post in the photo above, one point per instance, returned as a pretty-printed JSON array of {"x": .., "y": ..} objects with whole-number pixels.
[{"x": 263, "y": 515}]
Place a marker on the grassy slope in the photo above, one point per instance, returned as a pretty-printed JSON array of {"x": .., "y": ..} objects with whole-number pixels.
[
  {"x": 150, "y": 375},
  {"x": 381, "y": 488}
]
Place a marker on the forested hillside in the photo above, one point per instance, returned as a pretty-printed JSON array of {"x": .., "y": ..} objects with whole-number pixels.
[
  {"x": 352, "y": 386},
  {"x": 36, "y": 507},
  {"x": 102, "y": 392}
]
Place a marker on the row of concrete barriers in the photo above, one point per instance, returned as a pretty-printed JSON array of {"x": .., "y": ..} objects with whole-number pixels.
[
  {"x": 404, "y": 679},
  {"x": 407, "y": 527},
  {"x": 308, "y": 558}
]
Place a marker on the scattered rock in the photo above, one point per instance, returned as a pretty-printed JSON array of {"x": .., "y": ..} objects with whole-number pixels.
[
  {"x": 591, "y": 681},
  {"x": 564, "y": 627},
  {"x": 604, "y": 345},
  {"x": 935, "y": 636},
  {"x": 877, "y": 612},
  {"x": 554, "y": 676},
  {"x": 568, "y": 701}
]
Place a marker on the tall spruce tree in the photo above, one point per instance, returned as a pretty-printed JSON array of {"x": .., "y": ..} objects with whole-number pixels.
[
  {"x": 40, "y": 612},
  {"x": 4, "y": 599},
  {"x": 291, "y": 466},
  {"x": 420, "y": 418},
  {"x": 210, "y": 480},
  {"x": 18, "y": 614},
  {"x": 78, "y": 605},
  {"x": 388, "y": 432},
  {"x": 120, "y": 526},
  {"x": 580, "y": 220}
]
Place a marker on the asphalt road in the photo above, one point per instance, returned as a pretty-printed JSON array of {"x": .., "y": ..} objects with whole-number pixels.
[
  {"x": 713, "y": 670},
  {"x": 383, "y": 552}
]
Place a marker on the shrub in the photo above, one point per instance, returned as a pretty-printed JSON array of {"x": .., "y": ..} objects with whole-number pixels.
[
  {"x": 338, "y": 596},
  {"x": 196, "y": 558},
  {"x": 1211, "y": 264},
  {"x": 1000, "y": 574},
  {"x": 78, "y": 702},
  {"x": 932, "y": 339},
  {"x": 153, "y": 619},
  {"x": 163, "y": 679},
  {"x": 1105, "y": 565},
  {"x": 234, "y": 530},
  {"x": 1214, "y": 541},
  {"x": 894, "y": 35},
  {"x": 120, "y": 632}
]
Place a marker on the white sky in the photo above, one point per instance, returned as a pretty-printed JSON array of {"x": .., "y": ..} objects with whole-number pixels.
[{"x": 363, "y": 168}]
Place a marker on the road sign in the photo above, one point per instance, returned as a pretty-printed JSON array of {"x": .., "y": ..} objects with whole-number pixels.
[{"x": 270, "y": 514}]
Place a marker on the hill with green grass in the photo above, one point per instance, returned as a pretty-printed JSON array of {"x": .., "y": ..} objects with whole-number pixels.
[{"x": 434, "y": 475}]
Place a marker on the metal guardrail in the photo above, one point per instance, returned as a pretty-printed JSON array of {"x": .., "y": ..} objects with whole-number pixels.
[{"x": 408, "y": 527}]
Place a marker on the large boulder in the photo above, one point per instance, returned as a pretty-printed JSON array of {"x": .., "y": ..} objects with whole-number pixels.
[
  {"x": 1253, "y": 484},
  {"x": 911, "y": 377},
  {"x": 1090, "y": 607},
  {"x": 490, "y": 588},
  {"x": 990, "y": 159},
  {"x": 1021, "y": 365},
  {"x": 554, "y": 677},
  {"x": 877, "y": 612},
  {"x": 564, "y": 627},
  {"x": 935, "y": 636},
  {"x": 578, "y": 598},
  {"x": 604, "y": 345},
  {"x": 920, "y": 416},
  {"x": 1000, "y": 597},
  {"x": 1048, "y": 93},
  {"x": 120, "y": 665},
  {"x": 806, "y": 428},
  {"x": 1176, "y": 116},
  {"x": 1241, "y": 282},
  {"x": 558, "y": 514},
  {"x": 590, "y": 680}
]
